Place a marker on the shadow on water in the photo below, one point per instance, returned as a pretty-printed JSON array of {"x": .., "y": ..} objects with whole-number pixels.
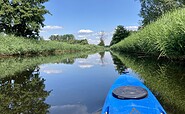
[
  {"x": 23, "y": 94},
  {"x": 165, "y": 79}
]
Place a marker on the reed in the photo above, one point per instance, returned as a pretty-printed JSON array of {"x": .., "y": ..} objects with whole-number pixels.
[{"x": 163, "y": 38}]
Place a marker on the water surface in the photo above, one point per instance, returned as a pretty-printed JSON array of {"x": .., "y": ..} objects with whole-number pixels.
[
  {"x": 79, "y": 87},
  {"x": 78, "y": 83}
]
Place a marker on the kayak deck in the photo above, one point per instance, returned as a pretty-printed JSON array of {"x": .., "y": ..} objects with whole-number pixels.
[{"x": 147, "y": 104}]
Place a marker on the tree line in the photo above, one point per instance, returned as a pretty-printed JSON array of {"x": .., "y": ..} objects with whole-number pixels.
[{"x": 68, "y": 38}]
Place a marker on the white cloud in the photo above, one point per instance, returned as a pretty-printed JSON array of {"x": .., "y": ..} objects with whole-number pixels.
[
  {"x": 85, "y": 66},
  {"x": 85, "y": 31},
  {"x": 134, "y": 28},
  {"x": 52, "y": 71},
  {"x": 52, "y": 27}
]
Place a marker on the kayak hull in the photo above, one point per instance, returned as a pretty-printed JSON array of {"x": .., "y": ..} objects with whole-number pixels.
[{"x": 146, "y": 105}]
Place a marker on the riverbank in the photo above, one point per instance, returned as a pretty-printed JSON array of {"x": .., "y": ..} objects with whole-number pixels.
[
  {"x": 15, "y": 46},
  {"x": 163, "y": 38}
]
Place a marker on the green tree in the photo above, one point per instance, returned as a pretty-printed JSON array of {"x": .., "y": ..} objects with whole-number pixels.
[
  {"x": 55, "y": 37},
  {"x": 153, "y": 9},
  {"x": 101, "y": 43},
  {"x": 22, "y": 17},
  {"x": 102, "y": 37},
  {"x": 83, "y": 41},
  {"x": 68, "y": 38},
  {"x": 120, "y": 34}
]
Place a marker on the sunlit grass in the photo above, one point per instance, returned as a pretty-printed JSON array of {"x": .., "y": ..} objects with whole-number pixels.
[
  {"x": 11, "y": 45},
  {"x": 165, "y": 37}
]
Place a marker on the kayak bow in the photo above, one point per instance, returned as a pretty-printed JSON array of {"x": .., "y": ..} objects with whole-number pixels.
[{"x": 128, "y": 95}]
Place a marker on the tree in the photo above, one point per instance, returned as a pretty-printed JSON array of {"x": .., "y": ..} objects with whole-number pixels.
[
  {"x": 120, "y": 34},
  {"x": 22, "y": 17},
  {"x": 55, "y": 37},
  {"x": 153, "y": 9},
  {"x": 83, "y": 41},
  {"x": 68, "y": 37},
  {"x": 102, "y": 37}
]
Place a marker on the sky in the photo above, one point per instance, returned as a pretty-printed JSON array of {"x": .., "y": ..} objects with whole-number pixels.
[{"x": 86, "y": 19}]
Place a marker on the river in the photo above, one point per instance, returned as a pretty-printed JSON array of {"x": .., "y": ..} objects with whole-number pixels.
[{"x": 78, "y": 84}]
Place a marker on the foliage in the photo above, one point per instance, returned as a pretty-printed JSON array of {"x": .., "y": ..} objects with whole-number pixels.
[
  {"x": 165, "y": 37},
  {"x": 10, "y": 45},
  {"x": 120, "y": 34},
  {"x": 101, "y": 42},
  {"x": 22, "y": 17},
  {"x": 83, "y": 42},
  {"x": 102, "y": 38},
  {"x": 153, "y": 9},
  {"x": 68, "y": 38}
]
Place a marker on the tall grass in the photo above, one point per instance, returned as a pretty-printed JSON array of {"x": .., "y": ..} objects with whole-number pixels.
[
  {"x": 164, "y": 78},
  {"x": 165, "y": 37},
  {"x": 11, "y": 45}
]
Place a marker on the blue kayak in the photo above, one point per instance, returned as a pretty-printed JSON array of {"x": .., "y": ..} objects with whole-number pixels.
[{"x": 128, "y": 95}]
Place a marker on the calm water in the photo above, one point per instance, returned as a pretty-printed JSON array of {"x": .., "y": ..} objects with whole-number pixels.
[
  {"x": 79, "y": 87},
  {"x": 76, "y": 84}
]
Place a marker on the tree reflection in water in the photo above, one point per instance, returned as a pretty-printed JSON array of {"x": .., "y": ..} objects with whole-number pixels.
[
  {"x": 120, "y": 66},
  {"x": 23, "y": 93}
]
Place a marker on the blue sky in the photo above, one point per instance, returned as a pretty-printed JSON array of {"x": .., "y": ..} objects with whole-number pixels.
[{"x": 87, "y": 18}]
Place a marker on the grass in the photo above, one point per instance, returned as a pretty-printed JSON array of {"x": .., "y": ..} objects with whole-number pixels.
[
  {"x": 164, "y": 78},
  {"x": 163, "y": 38},
  {"x": 11, "y": 45}
]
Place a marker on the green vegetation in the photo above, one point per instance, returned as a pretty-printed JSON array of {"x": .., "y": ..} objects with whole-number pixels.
[
  {"x": 10, "y": 45},
  {"x": 164, "y": 38},
  {"x": 120, "y": 34},
  {"x": 13, "y": 66},
  {"x": 102, "y": 38},
  {"x": 164, "y": 78},
  {"x": 68, "y": 38},
  {"x": 22, "y": 17},
  {"x": 151, "y": 10}
]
